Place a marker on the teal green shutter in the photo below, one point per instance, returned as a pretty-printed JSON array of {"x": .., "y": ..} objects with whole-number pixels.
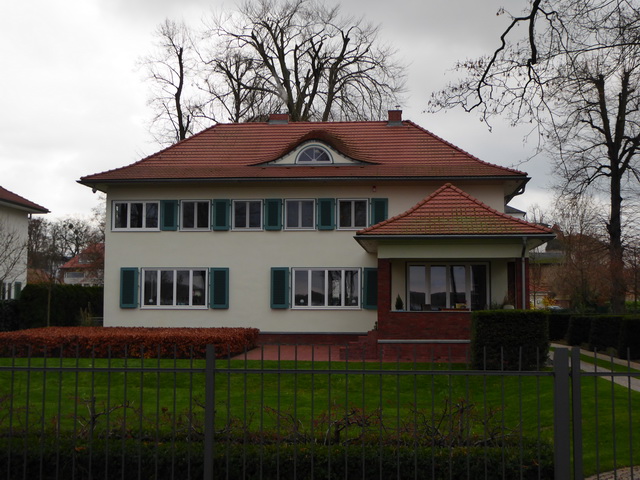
[
  {"x": 220, "y": 212},
  {"x": 17, "y": 289},
  {"x": 128, "y": 288},
  {"x": 326, "y": 213},
  {"x": 279, "y": 287},
  {"x": 273, "y": 214},
  {"x": 219, "y": 288},
  {"x": 379, "y": 210},
  {"x": 168, "y": 215},
  {"x": 370, "y": 289}
]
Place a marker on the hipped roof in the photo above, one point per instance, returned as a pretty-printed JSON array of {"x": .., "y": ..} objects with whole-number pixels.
[
  {"x": 450, "y": 212},
  {"x": 246, "y": 150}
]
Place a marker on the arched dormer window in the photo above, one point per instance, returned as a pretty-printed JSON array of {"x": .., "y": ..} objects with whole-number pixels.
[{"x": 314, "y": 154}]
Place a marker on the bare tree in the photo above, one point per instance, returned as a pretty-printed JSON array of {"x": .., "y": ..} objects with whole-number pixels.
[
  {"x": 316, "y": 63},
  {"x": 171, "y": 71},
  {"x": 575, "y": 75}
]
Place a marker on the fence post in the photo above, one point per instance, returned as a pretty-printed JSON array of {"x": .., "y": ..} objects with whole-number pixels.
[
  {"x": 209, "y": 411},
  {"x": 576, "y": 412},
  {"x": 561, "y": 415}
]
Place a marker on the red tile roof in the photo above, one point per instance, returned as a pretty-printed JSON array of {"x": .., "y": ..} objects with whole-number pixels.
[
  {"x": 244, "y": 150},
  {"x": 451, "y": 212},
  {"x": 9, "y": 197}
]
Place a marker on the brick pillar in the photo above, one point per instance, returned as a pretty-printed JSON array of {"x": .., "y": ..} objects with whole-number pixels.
[
  {"x": 384, "y": 291},
  {"x": 519, "y": 303}
]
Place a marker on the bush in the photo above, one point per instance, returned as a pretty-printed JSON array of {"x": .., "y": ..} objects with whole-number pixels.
[
  {"x": 132, "y": 459},
  {"x": 579, "y": 330},
  {"x": 103, "y": 342},
  {"x": 67, "y": 304},
  {"x": 629, "y": 339},
  {"x": 558, "y": 325},
  {"x": 509, "y": 339},
  {"x": 604, "y": 332}
]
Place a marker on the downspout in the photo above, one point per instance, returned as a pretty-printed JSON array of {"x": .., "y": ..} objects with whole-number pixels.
[{"x": 523, "y": 273}]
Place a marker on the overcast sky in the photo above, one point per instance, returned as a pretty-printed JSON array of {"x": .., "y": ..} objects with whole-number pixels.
[{"x": 73, "y": 101}]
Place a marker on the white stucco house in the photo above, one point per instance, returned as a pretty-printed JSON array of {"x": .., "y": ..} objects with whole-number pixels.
[
  {"x": 314, "y": 228},
  {"x": 14, "y": 228}
]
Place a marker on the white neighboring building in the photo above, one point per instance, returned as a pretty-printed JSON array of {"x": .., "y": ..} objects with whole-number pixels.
[{"x": 14, "y": 228}]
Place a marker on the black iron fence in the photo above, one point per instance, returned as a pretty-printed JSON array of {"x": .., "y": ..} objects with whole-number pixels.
[{"x": 295, "y": 415}]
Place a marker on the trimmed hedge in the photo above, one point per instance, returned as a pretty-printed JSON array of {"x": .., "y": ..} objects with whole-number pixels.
[
  {"x": 604, "y": 332},
  {"x": 67, "y": 304},
  {"x": 579, "y": 330},
  {"x": 146, "y": 459},
  {"x": 558, "y": 325},
  {"x": 9, "y": 315},
  {"x": 509, "y": 339},
  {"x": 629, "y": 338},
  {"x": 103, "y": 342}
]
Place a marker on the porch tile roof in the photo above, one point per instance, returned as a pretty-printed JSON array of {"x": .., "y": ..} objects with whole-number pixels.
[
  {"x": 451, "y": 212},
  {"x": 11, "y": 198},
  {"x": 245, "y": 150}
]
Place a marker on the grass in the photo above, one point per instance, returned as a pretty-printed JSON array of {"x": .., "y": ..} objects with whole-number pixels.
[{"x": 314, "y": 399}]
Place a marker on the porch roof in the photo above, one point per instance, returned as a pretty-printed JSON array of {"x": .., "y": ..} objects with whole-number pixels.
[{"x": 451, "y": 213}]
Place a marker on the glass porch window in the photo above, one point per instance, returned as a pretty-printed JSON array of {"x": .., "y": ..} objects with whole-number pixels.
[{"x": 447, "y": 286}]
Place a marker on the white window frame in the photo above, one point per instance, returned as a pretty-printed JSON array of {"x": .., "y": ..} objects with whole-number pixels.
[
  {"x": 247, "y": 202},
  {"x": 304, "y": 151},
  {"x": 144, "y": 216},
  {"x": 447, "y": 265},
  {"x": 299, "y": 202},
  {"x": 174, "y": 305},
  {"x": 195, "y": 216},
  {"x": 353, "y": 202},
  {"x": 326, "y": 305}
]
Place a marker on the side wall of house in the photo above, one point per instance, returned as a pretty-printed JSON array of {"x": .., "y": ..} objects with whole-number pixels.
[
  {"x": 13, "y": 237},
  {"x": 250, "y": 255}
]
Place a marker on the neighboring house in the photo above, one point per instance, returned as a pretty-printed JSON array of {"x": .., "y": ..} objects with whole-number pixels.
[
  {"x": 314, "y": 228},
  {"x": 86, "y": 268},
  {"x": 14, "y": 231}
]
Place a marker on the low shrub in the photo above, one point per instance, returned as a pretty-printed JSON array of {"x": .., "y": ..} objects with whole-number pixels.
[
  {"x": 509, "y": 339},
  {"x": 102, "y": 342},
  {"x": 629, "y": 338},
  {"x": 133, "y": 459}
]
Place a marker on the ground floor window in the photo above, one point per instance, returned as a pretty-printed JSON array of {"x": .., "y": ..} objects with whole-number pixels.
[
  {"x": 447, "y": 285},
  {"x": 174, "y": 288},
  {"x": 326, "y": 288}
]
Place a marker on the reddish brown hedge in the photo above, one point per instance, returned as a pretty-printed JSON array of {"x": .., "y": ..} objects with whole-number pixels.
[{"x": 132, "y": 341}]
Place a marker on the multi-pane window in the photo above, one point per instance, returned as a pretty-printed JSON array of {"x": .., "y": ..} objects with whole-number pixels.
[
  {"x": 195, "y": 215},
  {"x": 174, "y": 287},
  {"x": 300, "y": 214},
  {"x": 314, "y": 154},
  {"x": 135, "y": 215},
  {"x": 247, "y": 214},
  {"x": 326, "y": 288},
  {"x": 433, "y": 287},
  {"x": 352, "y": 214}
]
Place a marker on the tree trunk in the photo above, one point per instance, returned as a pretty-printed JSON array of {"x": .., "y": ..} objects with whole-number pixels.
[{"x": 616, "y": 250}]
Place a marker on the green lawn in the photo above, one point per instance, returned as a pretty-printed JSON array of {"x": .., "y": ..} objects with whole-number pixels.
[{"x": 309, "y": 400}]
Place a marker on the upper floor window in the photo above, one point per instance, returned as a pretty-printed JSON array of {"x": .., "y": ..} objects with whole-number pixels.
[
  {"x": 352, "y": 214},
  {"x": 300, "y": 214},
  {"x": 195, "y": 215},
  {"x": 314, "y": 154},
  {"x": 135, "y": 215},
  {"x": 247, "y": 214}
]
